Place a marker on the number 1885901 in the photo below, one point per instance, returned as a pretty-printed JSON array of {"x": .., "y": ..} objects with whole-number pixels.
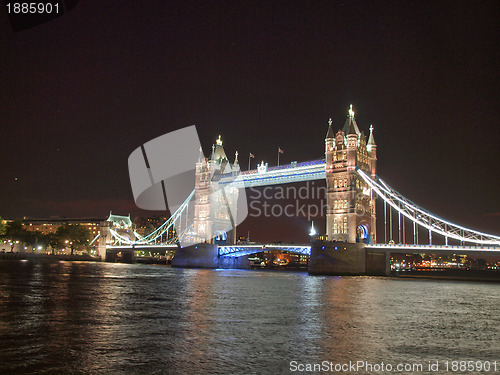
[
  {"x": 470, "y": 366},
  {"x": 32, "y": 8}
]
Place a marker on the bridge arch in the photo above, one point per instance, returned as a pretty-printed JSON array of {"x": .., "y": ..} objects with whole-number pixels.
[
  {"x": 220, "y": 236},
  {"x": 362, "y": 231}
]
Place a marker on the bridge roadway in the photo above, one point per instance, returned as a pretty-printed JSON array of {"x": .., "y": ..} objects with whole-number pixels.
[
  {"x": 293, "y": 172},
  {"x": 241, "y": 250},
  {"x": 157, "y": 247}
]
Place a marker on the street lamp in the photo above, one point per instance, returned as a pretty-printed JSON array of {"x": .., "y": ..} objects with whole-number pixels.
[{"x": 313, "y": 231}]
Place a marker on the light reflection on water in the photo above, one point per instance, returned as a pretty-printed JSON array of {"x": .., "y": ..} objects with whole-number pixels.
[{"x": 113, "y": 318}]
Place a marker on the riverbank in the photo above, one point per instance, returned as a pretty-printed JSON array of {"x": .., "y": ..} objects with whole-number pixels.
[
  {"x": 450, "y": 275},
  {"x": 48, "y": 257}
]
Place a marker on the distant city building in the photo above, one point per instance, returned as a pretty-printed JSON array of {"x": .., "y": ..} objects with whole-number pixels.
[
  {"x": 141, "y": 226},
  {"x": 144, "y": 226},
  {"x": 50, "y": 225}
]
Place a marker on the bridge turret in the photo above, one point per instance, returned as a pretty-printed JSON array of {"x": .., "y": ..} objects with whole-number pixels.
[
  {"x": 329, "y": 134},
  {"x": 200, "y": 156},
  {"x": 372, "y": 152},
  {"x": 352, "y": 140},
  {"x": 350, "y": 122},
  {"x": 329, "y": 146},
  {"x": 201, "y": 159},
  {"x": 236, "y": 164}
]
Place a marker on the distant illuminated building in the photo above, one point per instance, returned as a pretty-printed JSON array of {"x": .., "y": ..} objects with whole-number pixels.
[
  {"x": 145, "y": 226},
  {"x": 50, "y": 225}
]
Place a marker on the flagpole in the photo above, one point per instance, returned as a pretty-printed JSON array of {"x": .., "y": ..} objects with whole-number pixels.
[
  {"x": 278, "y": 156},
  {"x": 249, "y": 161}
]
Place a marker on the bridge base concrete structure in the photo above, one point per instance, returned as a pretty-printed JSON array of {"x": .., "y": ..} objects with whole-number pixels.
[
  {"x": 333, "y": 258},
  {"x": 343, "y": 258},
  {"x": 206, "y": 255},
  {"x": 327, "y": 258}
]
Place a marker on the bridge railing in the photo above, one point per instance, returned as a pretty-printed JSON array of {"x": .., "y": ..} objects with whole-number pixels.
[{"x": 427, "y": 246}]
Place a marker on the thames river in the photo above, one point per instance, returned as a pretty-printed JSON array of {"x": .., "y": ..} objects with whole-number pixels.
[{"x": 102, "y": 318}]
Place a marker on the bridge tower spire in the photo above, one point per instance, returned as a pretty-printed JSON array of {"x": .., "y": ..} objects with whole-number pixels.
[
  {"x": 371, "y": 147},
  {"x": 350, "y": 215}
]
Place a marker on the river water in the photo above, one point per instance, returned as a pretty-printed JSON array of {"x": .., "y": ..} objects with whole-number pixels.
[{"x": 102, "y": 318}]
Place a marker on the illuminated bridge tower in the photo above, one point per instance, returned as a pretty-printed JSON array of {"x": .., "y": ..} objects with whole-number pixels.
[
  {"x": 213, "y": 208},
  {"x": 350, "y": 215}
]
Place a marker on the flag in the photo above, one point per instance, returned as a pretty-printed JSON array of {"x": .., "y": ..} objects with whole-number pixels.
[
  {"x": 280, "y": 150},
  {"x": 252, "y": 155}
]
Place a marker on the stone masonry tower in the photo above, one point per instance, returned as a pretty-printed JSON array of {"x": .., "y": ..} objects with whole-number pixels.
[
  {"x": 350, "y": 215},
  {"x": 214, "y": 209}
]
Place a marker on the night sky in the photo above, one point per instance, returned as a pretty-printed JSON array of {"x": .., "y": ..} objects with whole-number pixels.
[{"x": 80, "y": 93}]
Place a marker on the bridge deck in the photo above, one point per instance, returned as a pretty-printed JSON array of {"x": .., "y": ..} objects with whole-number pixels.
[
  {"x": 434, "y": 249},
  {"x": 241, "y": 250},
  {"x": 142, "y": 247},
  {"x": 295, "y": 172}
]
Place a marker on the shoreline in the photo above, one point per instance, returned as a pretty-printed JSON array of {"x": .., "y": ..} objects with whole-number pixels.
[
  {"x": 48, "y": 257},
  {"x": 490, "y": 276},
  {"x": 452, "y": 275}
]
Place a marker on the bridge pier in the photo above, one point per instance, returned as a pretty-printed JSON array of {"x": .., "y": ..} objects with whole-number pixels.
[
  {"x": 234, "y": 262},
  {"x": 343, "y": 258},
  {"x": 119, "y": 255},
  {"x": 377, "y": 263},
  {"x": 206, "y": 255},
  {"x": 202, "y": 255}
]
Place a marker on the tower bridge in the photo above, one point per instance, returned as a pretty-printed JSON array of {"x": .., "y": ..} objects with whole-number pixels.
[{"x": 208, "y": 217}]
